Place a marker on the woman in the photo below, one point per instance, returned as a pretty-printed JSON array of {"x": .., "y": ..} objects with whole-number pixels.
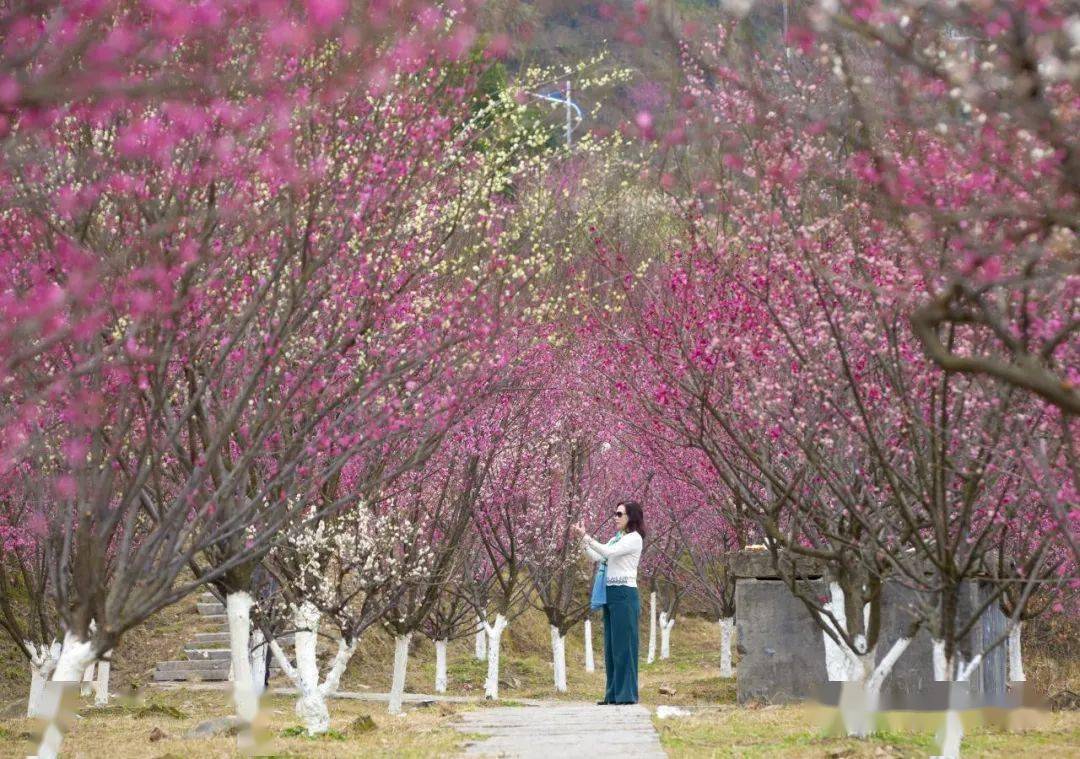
[{"x": 621, "y": 606}]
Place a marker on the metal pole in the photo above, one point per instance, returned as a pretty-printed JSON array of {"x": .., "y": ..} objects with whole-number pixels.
[
  {"x": 568, "y": 126},
  {"x": 787, "y": 46}
]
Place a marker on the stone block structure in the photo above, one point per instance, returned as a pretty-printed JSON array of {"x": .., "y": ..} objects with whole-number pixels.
[{"x": 782, "y": 651}]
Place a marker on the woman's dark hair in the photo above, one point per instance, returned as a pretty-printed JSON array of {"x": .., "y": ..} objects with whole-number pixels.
[{"x": 635, "y": 517}]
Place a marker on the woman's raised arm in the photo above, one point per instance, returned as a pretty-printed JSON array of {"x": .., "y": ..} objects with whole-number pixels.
[
  {"x": 626, "y": 544},
  {"x": 592, "y": 554}
]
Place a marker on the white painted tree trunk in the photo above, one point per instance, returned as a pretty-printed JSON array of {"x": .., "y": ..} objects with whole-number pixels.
[
  {"x": 480, "y": 650},
  {"x": 311, "y": 706},
  {"x": 75, "y": 656},
  {"x": 652, "y": 628},
  {"x": 35, "y": 702},
  {"x": 332, "y": 681},
  {"x": 259, "y": 650},
  {"x": 440, "y": 666},
  {"x": 666, "y": 623},
  {"x": 558, "y": 659},
  {"x": 951, "y": 734},
  {"x": 727, "y": 635},
  {"x": 494, "y": 637},
  {"x": 860, "y": 695},
  {"x": 42, "y": 663},
  {"x": 311, "y": 701},
  {"x": 837, "y": 658},
  {"x": 87, "y": 685},
  {"x": 941, "y": 668},
  {"x": 101, "y": 683},
  {"x": 238, "y": 614},
  {"x": 1016, "y": 655},
  {"x": 401, "y": 665},
  {"x": 590, "y": 661}
]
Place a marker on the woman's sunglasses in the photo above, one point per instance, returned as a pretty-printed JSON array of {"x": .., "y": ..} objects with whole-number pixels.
[{"x": 620, "y": 513}]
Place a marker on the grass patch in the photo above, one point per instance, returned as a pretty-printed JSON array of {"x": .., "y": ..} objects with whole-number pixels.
[
  {"x": 362, "y": 724},
  {"x": 122, "y": 735},
  {"x": 721, "y": 690},
  {"x": 138, "y": 711},
  {"x": 299, "y": 731},
  {"x": 801, "y": 732},
  {"x": 468, "y": 668}
]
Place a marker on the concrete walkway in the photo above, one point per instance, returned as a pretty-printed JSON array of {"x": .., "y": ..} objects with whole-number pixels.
[{"x": 561, "y": 729}]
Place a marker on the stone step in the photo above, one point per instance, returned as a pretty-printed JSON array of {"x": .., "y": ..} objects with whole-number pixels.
[
  {"x": 196, "y": 675},
  {"x": 207, "y": 639},
  {"x": 207, "y": 598},
  {"x": 190, "y": 675},
  {"x": 197, "y": 653},
  {"x": 213, "y": 619},
  {"x": 200, "y": 664},
  {"x": 210, "y": 609},
  {"x": 221, "y": 640},
  {"x": 211, "y": 654}
]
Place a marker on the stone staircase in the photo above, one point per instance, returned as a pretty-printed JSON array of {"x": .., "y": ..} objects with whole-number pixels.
[{"x": 207, "y": 653}]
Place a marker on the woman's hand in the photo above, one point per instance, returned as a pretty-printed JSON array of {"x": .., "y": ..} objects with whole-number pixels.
[{"x": 579, "y": 529}]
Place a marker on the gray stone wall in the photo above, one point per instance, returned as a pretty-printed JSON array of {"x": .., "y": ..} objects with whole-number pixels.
[
  {"x": 782, "y": 653},
  {"x": 781, "y": 656}
]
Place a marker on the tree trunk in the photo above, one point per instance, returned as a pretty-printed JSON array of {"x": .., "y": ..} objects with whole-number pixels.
[
  {"x": 75, "y": 656},
  {"x": 345, "y": 652},
  {"x": 259, "y": 649},
  {"x": 652, "y": 628},
  {"x": 666, "y": 623},
  {"x": 481, "y": 639},
  {"x": 440, "y": 666},
  {"x": 951, "y": 734},
  {"x": 401, "y": 664},
  {"x": 558, "y": 659},
  {"x": 35, "y": 702},
  {"x": 860, "y": 695},
  {"x": 942, "y": 670},
  {"x": 727, "y": 635},
  {"x": 311, "y": 706},
  {"x": 238, "y": 612},
  {"x": 86, "y": 687},
  {"x": 101, "y": 683},
  {"x": 1016, "y": 655},
  {"x": 42, "y": 663},
  {"x": 590, "y": 663},
  {"x": 494, "y": 636},
  {"x": 837, "y": 661}
]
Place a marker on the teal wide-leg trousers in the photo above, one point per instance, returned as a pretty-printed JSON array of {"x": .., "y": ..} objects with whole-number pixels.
[{"x": 621, "y": 614}]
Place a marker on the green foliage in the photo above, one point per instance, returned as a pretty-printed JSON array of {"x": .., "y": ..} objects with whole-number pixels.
[
  {"x": 718, "y": 689},
  {"x": 299, "y": 731},
  {"x": 466, "y": 670},
  {"x": 525, "y": 130},
  {"x": 160, "y": 710},
  {"x": 362, "y": 724},
  {"x": 139, "y": 711},
  {"x": 491, "y": 83}
]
